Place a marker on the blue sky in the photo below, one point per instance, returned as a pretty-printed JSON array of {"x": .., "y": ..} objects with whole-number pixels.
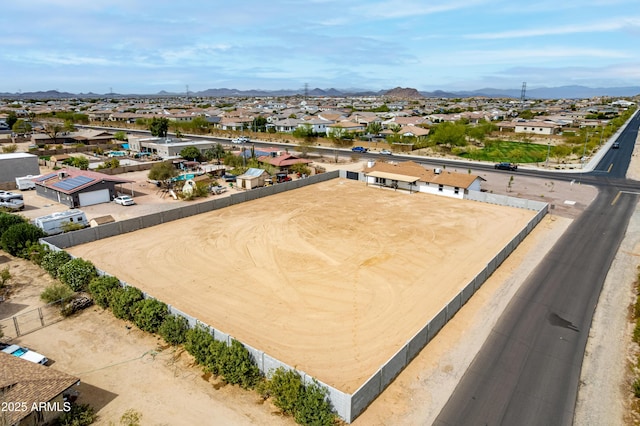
[{"x": 140, "y": 46}]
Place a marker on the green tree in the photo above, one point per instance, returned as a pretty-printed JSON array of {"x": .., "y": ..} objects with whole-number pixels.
[
  {"x": 68, "y": 126},
  {"x": 148, "y": 314},
  {"x": 159, "y": 127},
  {"x": 163, "y": 172},
  {"x": 307, "y": 136},
  {"x": 21, "y": 127},
  {"x": 77, "y": 273},
  {"x": 53, "y": 130},
  {"x": 560, "y": 151},
  {"x": 449, "y": 134},
  {"x": 259, "y": 124},
  {"x": 80, "y": 162},
  {"x": 190, "y": 152},
  {"x": 18, "y": 238},
  {"x": 197, "y": 343},
  {"x": 120, "y": 136},
  {"x": 11, "y": 119},
  {"x": 7, "y": 220},
  {"x": 374, "y": 128},
  {"x": 216, "y": 152}
]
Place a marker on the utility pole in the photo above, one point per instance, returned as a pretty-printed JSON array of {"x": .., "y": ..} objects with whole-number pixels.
[{"x": 522, "y": 95}]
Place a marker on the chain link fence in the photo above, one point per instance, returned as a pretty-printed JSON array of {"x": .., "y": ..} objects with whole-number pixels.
[{"x": 27, "y": 322}]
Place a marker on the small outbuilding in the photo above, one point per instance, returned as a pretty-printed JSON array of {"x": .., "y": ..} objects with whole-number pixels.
[
  {"x": 17, "y": 164},
  {"x": 252, "y": 178}
]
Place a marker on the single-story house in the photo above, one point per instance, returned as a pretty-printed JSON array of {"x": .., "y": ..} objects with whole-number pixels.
[
  {"x": 537, "y": 127},
  {"x": 413, "y": 177},
  {"x": 252, "y": 178},
  {"x": 39, "y": 391},
  {"x": 78, "y": 188}
]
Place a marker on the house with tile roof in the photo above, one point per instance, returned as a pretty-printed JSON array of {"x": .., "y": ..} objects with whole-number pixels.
[
  {"x": 39, "y": 391},
  {"x": 283, "y": 162},
  {"x": 78, "y": 188},
  {"x": 413, "y": 177}
]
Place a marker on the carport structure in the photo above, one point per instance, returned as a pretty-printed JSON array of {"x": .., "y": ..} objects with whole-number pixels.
[{"x": 390, "y": 180}]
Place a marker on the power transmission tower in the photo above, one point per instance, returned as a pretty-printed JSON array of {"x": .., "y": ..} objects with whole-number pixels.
[{"x": 522, "y": 95}]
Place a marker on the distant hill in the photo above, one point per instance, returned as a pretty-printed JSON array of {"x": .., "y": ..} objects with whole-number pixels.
[{"x": 562, "y": 92}]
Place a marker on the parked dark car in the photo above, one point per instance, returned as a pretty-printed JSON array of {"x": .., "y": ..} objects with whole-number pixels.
[
  {"x": 282, "y": 177},
  {"x": 359, "y": 149},
  {"x": 229, "y": 178},
  {"x": 506, "y": 166}
]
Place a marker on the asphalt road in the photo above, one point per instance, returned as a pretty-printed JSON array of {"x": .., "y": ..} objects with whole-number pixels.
[{"x": 528, "y": 370}]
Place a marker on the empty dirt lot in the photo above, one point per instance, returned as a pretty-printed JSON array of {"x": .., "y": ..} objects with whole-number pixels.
[{"x": 332, "y": 278}]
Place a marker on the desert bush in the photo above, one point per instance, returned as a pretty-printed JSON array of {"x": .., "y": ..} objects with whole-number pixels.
[
  {"x": 77, "y": 273},
  {"x": 56, "y": 291},
  {"x": 284, "y": 387},
  {"x": 636, "y": 388},
  {"x": 174, "y": 329},
  {"x": 17, "y": 239},
  {"x": 313, "y": 408},
  {"x": 101, "y": 288},
  {"x": 5, "y": 276},
  {"x": 148, "y": 314},
  {"x": 53, "y": 260},
  {"x": 78, "y": 415},
  {"x": 238, "y": 367},
  {"x": 122, "y": 300}
]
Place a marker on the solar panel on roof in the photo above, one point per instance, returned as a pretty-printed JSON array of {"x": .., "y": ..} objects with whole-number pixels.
[
  {"x": 45, "y": 177},
  {"x": 72, "y": 183}
]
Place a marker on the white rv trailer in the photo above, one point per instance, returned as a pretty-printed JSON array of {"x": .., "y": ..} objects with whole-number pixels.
[
  {"x": 26, "y": 182},
  {"x": 54, "y": 223}
]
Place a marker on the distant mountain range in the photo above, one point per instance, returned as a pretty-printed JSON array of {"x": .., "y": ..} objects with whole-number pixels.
[{"x": 562, "y": 92}]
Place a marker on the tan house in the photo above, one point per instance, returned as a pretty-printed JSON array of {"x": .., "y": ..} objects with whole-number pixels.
[
  {"x": 282, "y": 162},
  {"x": 413, "y": 177}
]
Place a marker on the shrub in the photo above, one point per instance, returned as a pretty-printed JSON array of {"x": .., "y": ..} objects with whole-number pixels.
[
  {"x": 174, "y": 329},
  {"x": 122, "y": 301},
  {"x": 197, "y": 343},
  {"x": 237, "y": 366},
  {"x": 77, "y": 273},
  {"x": 17, "y": 239},
  {"x": 56, "y": 291},
  {"x": 313, "y": 408},
  {"x": 78, "y": 415},
  {"x": 53, "y": 260},
  {"x": 5, "y": 276},
  {"x": 636, "y": 332},
  {"x": 285, "y": 387},
  {"x": 148, "y": 314},
  {"x": 636, "y": 388},
  {"x": 36, "y": 253},
  {"x": 101, "y": 288}
]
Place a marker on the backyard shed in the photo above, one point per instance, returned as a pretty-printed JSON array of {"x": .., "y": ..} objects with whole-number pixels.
[{"x": 17, "y": 164}]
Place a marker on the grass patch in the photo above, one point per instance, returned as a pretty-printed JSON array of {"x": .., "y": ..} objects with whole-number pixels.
[{"x": 513, "y": 152}]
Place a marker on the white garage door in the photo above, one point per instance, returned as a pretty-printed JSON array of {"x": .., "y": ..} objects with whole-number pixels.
[{"x": 94, "y": 197}]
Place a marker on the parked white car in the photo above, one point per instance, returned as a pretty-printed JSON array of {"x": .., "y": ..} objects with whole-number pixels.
[{"x": 124, "y": 200}]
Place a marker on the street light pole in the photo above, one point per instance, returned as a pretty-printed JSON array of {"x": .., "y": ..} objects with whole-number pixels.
[{"x": 584, "y": 151}]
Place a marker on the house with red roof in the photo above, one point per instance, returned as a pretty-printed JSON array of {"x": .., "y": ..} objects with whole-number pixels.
[
  {"x": 283, "y": 162},
  {"x": 78, "y": 188}
]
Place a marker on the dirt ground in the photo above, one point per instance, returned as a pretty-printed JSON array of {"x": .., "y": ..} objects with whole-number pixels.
[
  {"x": 332, "y": 278},
  {"x": 119, "y": 368}
]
